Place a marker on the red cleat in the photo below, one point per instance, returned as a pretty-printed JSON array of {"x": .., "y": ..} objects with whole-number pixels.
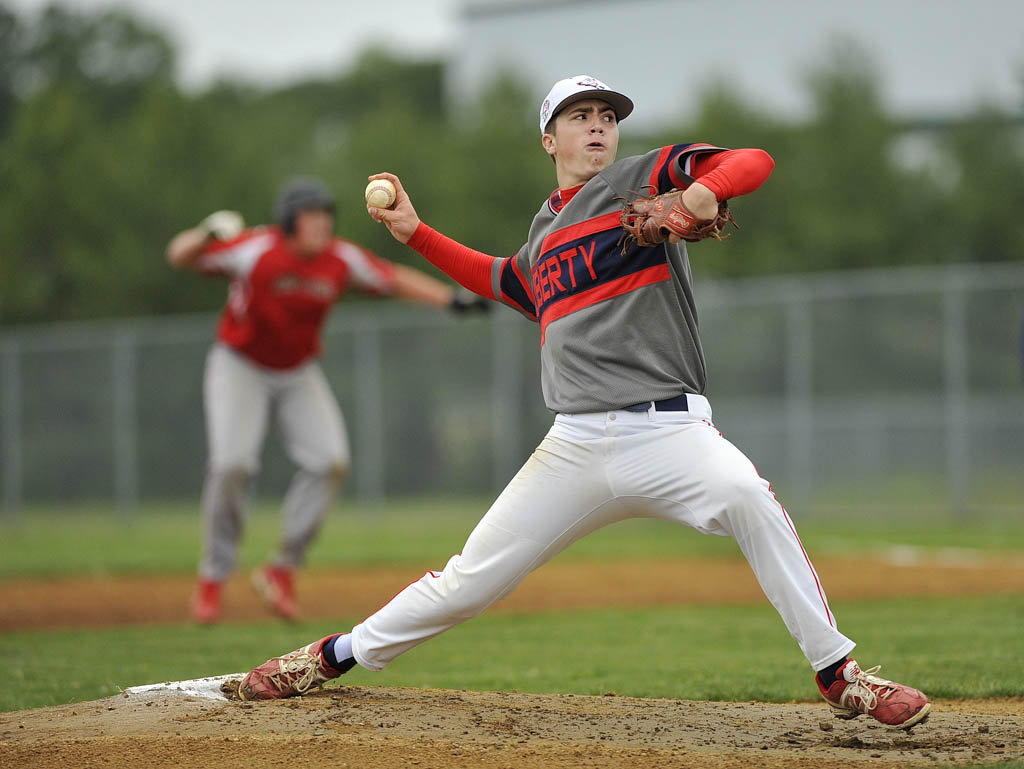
[
  {"x": 276, "y": 584},
  {"x": 295, "y": 673},
  {"x": 857, "y": 691},
  {"x": 206, "y": 602}
]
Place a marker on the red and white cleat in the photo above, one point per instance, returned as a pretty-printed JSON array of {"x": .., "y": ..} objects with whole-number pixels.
[
  {"x": 857, "y": 691},
  {"x": 294, "y": 673},
  {"x": 276, "y": 585}
]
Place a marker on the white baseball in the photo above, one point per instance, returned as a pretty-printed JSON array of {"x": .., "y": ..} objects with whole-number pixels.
[{"x": 380, "y": 193}]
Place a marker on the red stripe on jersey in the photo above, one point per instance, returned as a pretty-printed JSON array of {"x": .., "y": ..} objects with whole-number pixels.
[
  {"x": 663, "y": 157},
  {"x": 581, "y": 230},
  {"x": 612, "y": 288},
  {"x": 527, "y": 285}
]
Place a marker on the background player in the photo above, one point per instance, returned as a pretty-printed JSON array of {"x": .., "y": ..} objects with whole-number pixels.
[
  {"x": 283, "y": 281},
  {"x": 623, "y": 369}
]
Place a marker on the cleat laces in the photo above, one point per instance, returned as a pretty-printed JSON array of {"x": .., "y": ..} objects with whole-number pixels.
[
  {"x": 863, "y": 692},
  {"x": 298, "y": 671}
]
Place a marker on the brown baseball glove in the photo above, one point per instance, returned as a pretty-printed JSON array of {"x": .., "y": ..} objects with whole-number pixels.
[{"x": 654, "y": 220}]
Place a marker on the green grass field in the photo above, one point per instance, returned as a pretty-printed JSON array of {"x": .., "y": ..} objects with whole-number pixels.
[
  {"x": 952, "y": 648},
  {"x": 165, "y": 539}
]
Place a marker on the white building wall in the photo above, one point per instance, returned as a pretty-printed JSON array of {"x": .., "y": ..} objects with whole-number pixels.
[{"x": 939, "y": 57}]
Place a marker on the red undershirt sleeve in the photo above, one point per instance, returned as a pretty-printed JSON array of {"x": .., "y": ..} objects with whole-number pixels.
[
  {"x": 469, "y": 268},
  {"x": 732, "y": 173}
]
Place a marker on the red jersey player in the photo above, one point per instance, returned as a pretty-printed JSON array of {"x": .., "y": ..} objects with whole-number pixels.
[{"x": 283, "y": 281}]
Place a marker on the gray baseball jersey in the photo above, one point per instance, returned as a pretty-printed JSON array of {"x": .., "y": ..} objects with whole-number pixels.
[{"x": 592, "y": 300}]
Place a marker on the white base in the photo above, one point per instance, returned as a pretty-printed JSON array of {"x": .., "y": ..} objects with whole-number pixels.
[{"x": 197, "y": 687}]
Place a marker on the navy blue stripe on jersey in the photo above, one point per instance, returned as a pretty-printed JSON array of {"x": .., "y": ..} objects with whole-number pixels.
[
  {"x": 513, "y": 289},
  {"x": 662, "y": 177},
  {"x": 589, "y": 257}
]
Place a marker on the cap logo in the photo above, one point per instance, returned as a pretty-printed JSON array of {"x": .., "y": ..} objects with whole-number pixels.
[{"x": 571, "y": 89}]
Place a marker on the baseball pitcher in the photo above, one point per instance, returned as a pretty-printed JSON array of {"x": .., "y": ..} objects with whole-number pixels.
[{"x": 605, "y": 274}]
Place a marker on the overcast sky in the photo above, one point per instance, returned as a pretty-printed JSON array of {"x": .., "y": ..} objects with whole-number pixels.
[
  {"x": 938, "y": 56},
  {"x": 273, "y": 41}
]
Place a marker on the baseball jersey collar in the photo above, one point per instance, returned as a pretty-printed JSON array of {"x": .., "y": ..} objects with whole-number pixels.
[{"x": 559, "y": 198}]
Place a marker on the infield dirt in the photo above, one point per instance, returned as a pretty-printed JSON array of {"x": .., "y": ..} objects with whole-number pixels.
[
  {"x": 378, "y": 728},
  {"x": 386, "y": 728}
]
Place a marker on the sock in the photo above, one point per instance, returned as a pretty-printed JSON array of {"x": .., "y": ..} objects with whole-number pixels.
[
  {"x": 827, "y": 676},
  {"x": 338, "y": 653}
]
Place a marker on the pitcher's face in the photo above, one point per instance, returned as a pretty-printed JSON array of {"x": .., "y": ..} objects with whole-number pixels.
[{"x": 583, "y": 142}]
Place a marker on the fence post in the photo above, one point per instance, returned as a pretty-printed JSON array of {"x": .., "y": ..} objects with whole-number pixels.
[
  {"x": 10, "y": 378},
  {"x": 126, "y": 423},
  {"x": 958, "y": 447}
]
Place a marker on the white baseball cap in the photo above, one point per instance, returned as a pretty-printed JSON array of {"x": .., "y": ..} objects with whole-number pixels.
[{"x": 573, "y": 89}]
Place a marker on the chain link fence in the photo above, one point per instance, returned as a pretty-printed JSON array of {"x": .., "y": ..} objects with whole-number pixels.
[{"x": 862, "y": 392}]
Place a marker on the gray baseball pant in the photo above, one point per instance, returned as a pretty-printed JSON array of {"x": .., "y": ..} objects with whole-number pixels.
[{"x": 239, "y": 399}]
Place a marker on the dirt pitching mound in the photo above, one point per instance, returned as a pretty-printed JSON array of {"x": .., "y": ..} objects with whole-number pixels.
[
  {"x": 376, "y": 728},
  {"x": 381, "y": 728}
]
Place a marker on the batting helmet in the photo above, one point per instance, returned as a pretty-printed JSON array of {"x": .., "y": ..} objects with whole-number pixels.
[{"x": 303, "y": 193}]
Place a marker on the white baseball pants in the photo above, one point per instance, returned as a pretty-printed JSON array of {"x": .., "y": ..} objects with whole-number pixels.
[
  {"x": 239, "y": 399},
  {"x": 595, "y": 469}
]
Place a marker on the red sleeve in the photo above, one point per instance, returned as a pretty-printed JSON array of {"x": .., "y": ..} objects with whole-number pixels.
[
  {"x": 234, "y": 257},
  {"x": 732, "y": 173},
  {"x": 368, "y": 272},
  {"x": 470, "y": 269}
]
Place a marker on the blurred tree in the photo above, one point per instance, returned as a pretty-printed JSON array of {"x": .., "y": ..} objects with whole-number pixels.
[
  {"x": 184, "y": 158},
  {"x": 11, "y": 35},
  {"x": 843, "y": 199},
  {"x": 110, "y": 55},
  {"x": 985, "y": 161},
  {"x": 69, "y": 208},
  {"x": 45, "y": 220},
  {"x": 103, "y": 158},
  {"x": 494, "y": 166}
]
